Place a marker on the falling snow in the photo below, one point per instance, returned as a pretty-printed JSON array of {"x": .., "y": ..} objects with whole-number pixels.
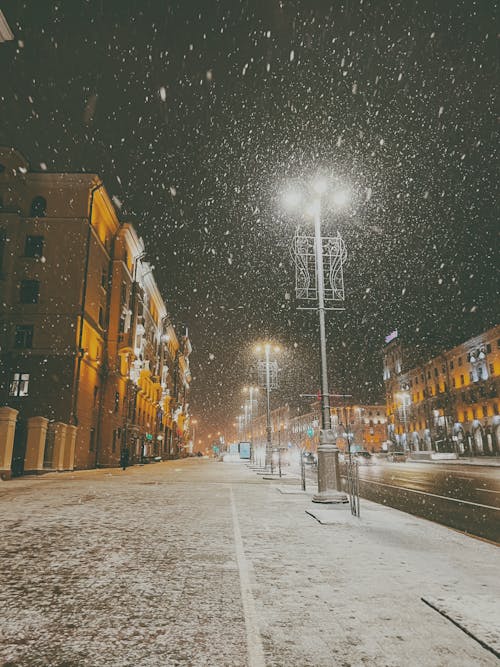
[{"x": 197, "y": 116}]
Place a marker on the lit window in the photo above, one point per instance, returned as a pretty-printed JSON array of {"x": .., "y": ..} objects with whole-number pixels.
[{"x": 19, "y": 384}]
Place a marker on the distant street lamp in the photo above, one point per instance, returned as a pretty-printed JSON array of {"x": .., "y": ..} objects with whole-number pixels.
[
  {"x": 251, "y": 391},
  {"x": 193, "y": 429},
  {"x": 329, "y": 488},
  {"x": 269, "y": 382}
]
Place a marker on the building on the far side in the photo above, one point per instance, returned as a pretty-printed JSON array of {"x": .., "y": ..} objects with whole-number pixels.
[{"x": 446, "y": 402}]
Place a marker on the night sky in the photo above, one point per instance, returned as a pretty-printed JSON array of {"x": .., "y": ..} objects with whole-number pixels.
[{"x": 196, "y": 114}]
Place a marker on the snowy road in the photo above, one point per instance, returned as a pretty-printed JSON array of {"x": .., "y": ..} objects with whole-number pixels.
[
  {"x": 200, "y": 563},
  {"x": 461, "y": 496}
]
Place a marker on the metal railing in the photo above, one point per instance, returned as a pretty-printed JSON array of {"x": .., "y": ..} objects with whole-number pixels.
[{"x": 353, "y": 486}]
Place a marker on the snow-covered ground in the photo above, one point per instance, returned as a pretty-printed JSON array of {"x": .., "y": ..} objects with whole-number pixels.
[{"x": 201, "y": 563}]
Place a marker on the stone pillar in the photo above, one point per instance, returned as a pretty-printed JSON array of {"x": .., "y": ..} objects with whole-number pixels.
[
  {"x": 8, "y": 417},
  {"x": 59, "y": 445},
  {"x": 35, "y": 444},
  {"x": 69, "y": 448}
]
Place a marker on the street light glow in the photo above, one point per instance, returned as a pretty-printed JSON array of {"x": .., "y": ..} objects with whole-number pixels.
[
  {"x": 340, "y": 197},
  {"x": 320, "y": 185},
  {"x": 291, "y": 198}
]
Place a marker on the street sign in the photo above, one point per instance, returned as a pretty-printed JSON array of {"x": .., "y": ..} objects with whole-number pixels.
[{"x": 310, "y": 432}]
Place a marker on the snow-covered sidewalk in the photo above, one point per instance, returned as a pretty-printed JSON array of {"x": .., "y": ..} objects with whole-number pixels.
[{"x": 200, "y": 563}]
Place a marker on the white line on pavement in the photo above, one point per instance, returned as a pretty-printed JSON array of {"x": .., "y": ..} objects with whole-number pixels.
[
  {"x": 488, "y": 490},
  {"x": 254, "y": 641},
  {"x": 434, "y": 495}
]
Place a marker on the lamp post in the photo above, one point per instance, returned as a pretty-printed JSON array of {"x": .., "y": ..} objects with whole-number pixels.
[
  {"x": 403, "y": 395},
  {"x": 193, "y": 433},
  {"x": 251, "y": 391},
  {"x": 268, "y": 382},
  {"x": 329, "y": 486}
]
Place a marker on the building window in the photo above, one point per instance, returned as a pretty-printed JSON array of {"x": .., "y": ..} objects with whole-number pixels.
[
  {"x": 101, "y": 317},
  {"x": 30, "y": 291},
  {"x": 92, "y": 440},
  {"x": 117, "y": 401},
  {"x": 435, "y": 371},
  {"x": 452, "y": 365},
  {"x": 492, "y": 369},
  {"x": 24, "y": 336},
  {"x": 3, "y": 240},
  {"x": 19, "y": 384},
  {"x": 33, "y": 246},
  {"x": 113, "y": 442},
  {"x": 38, "y": 207},
  {"x": 123, "y": 294},
  {"x": 453, "y": 382},
  {"x": 459, "y": 361},
  {"x": 428, "y": 375},
  {"x": 462, "y": 380}
]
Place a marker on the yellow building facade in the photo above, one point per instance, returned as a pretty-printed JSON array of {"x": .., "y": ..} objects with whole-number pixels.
[
  {"x": 447, "y": 403},
  {"x": 85, "y": 337}
]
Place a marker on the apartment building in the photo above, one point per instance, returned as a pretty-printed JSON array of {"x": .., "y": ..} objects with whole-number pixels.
[
  {"x": 447, "y": 402},
  {"x": 86, "y": 342}
]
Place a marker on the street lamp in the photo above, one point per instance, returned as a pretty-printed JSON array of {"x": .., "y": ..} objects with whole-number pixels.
[
  {"x": 404, "y": 400},
  {"x": 329, "y": 487},
  {"x": 251, "y": 391},
  {"x": 267, "y": 348}
]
